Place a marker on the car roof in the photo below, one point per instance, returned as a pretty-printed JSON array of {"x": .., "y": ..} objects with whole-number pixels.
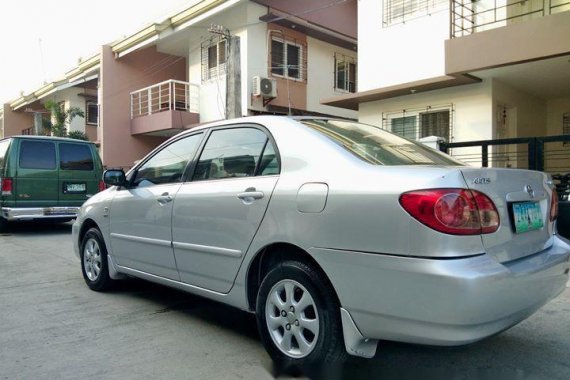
[
  {"x": 260, "y": 119},
  {"x": 50, "y": 138}
]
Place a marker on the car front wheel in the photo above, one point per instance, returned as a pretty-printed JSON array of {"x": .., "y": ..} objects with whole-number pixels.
[
  {"x": 298, "y": 317},
  {"x": 94, "y": 261}
]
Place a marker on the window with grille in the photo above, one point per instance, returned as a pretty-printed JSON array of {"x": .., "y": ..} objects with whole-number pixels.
[
  {"x": 287, "y": 59},
  {"x": 417, "y": 123},
  {"x": 344, "y": 73},
  {"x": 214, "y": 57},
  {"x": 566, "y": 127},
  {"x": 400, "y": 11},
  {"x": 92, "y": 112}
]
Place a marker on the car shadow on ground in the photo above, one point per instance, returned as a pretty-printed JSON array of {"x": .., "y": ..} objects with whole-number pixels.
[
  {"x": 37, "y": 227},
  {"x": 392, "y": 359}
]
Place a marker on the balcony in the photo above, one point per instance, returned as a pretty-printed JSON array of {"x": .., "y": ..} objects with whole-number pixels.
[
  {"x": 165, "y": 108},
  {"x": 470, "y": 16}
]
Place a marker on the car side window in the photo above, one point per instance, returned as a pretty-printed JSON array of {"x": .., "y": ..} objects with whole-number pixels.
[
  {"x": 230, "y": 153},
  {"x": 269, "y": 164},
  {"x": 37, "y": 155},
  {"x": 75, "y": 157},
  {"x": 167, "y": 166}
]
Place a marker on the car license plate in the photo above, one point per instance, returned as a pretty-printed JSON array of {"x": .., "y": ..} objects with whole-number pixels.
[
  {"x": 527, "y": 216},
  {"x": 74, "y": 188}
]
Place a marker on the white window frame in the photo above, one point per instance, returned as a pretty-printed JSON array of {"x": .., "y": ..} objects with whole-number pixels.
[
  {"x": 220, "y": 68},
  {"x": 347, "y": 60},
  {"x": 284, "y": 63}
]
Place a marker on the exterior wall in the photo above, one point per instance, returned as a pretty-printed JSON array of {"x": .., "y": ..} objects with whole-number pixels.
[
  {"x": 530, "y": 111},
  {"x": 72, "y": 99},
  {"x": 118, "y": 78},
  {"x": 321, "y": 78},
  {"x": 509, "y": 45},
  {"x": 323, "y": 14},
  {"x": 16, "y": 121},
  {"x": 290, "y": 93},
  {"x": 555, "y": 108},
  {"x": 399, "y": 53},
  {"x": 473, "y": 111}
]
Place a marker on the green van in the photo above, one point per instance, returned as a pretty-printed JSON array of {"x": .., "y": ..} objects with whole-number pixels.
[{"x": 43, "y": 177}]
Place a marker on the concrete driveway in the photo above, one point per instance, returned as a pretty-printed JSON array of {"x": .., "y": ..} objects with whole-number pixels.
[{"x": 53, "y": 327}]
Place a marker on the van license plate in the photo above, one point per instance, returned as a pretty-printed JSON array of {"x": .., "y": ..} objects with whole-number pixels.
[
  {"x": 74, "y": 188},
  {"x": 527, "y": 216}
]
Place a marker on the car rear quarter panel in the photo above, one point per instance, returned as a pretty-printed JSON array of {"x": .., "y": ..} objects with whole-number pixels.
[{"x": 362, "y": 211}]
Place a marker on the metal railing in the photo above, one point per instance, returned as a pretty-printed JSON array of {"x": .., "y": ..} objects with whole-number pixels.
[
  {"x": 469, "y": 16},
  {"x": 165, "y": 96},
  {"x": 547, "y": 153}
]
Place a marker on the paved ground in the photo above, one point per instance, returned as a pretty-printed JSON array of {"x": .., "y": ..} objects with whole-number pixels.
[{"x": 53, "y": 327}]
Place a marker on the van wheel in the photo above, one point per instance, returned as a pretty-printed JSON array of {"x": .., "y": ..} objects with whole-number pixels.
[
  {"x": 94, "y": 261},
  {"x": 298, "y": 318}
]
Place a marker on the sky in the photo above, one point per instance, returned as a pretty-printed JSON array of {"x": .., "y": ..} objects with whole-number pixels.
[{"x": 41, "y": 40}]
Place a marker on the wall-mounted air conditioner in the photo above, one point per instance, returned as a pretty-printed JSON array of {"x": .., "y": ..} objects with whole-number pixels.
[{"x": 264, "y": 87}]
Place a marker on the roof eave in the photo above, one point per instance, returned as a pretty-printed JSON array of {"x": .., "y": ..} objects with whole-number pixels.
[{"x": 352, "y": 101}]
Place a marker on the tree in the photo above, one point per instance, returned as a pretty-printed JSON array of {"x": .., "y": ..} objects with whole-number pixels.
[
  {"x": 78, "y": 135},
  {"x": 60, "y": 118}
]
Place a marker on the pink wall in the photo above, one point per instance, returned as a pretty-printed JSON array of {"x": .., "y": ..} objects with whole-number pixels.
[
  {"x": 340, "y": 17},
  {"x": 16, "y": 121},
  {"x": 119, "y": 77}
]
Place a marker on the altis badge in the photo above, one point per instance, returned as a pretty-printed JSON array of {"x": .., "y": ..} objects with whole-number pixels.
[{"x": 482, "y": 181}]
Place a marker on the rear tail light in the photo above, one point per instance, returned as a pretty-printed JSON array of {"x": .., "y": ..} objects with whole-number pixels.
[
  {"x": 6, "y": 185},
  {"x": 453, "y": 211},
  {"x": 102, "y": 185},
  {"x": 554, "y": 206}
]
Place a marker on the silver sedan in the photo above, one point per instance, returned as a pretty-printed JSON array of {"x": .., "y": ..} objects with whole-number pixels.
[{"x": 336, "y": 234}]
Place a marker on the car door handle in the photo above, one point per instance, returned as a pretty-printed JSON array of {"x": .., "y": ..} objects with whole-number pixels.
[
  {"x": 250, "y": 196},
  {"x": 164, "y": 199}
]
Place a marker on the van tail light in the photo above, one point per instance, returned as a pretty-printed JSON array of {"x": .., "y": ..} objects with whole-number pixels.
[
  {"x": 7, "y": 185},
  {"x": 453, "y": 211},
  {"x": 554, "y": 206},
  {"x": 102, "y": 185}
]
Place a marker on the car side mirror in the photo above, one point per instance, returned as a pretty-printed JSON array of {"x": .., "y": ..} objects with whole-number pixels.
[{"x": 115, "y": 177}]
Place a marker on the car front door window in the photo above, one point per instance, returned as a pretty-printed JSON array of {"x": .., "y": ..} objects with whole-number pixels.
[{"x": 167, "y": 166}]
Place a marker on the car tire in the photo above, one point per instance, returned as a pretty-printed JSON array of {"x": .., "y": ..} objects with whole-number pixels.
[
  {"x": 3, "y": 224},
  {"x": 94, "y": 264},
  {"x": 298, "y": 317}
]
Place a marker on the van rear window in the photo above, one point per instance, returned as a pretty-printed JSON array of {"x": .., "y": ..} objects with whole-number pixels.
[
  {"x": 75, "y": 157},
  {"x": 37, "y": 155}
]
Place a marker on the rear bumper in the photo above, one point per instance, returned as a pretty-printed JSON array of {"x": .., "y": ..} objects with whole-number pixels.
[
  {"x": 443, "y": 302},
  {"x": 29, "y": 213}
]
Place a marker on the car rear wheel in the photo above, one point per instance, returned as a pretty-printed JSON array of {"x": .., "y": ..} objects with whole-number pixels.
[
  {"x": 94, "y": 261},
  {"x": 298, "y": 318},
  {"x": 3, "y": 224}
]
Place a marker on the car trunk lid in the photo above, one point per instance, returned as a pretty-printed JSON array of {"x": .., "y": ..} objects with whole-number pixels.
[{"x": 522, "y": 198}]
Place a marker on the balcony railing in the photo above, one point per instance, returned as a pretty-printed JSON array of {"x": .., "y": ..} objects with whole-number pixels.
[
  {"x": 472, "y": 16},
  {"x": 165, "y": 96}
]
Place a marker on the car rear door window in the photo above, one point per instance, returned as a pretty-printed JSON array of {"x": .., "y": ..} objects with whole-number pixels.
[
  {"x": 230, "y": 153},
  {"x": 167, "y": 166},
  {"x": 269, "y": 164},
  {"x": 37, "y": 155},
  {"x": 75, "y": 157}
]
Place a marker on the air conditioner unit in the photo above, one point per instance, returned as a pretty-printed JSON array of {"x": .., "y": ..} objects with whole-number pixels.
[{"x": 264, "y": 87}]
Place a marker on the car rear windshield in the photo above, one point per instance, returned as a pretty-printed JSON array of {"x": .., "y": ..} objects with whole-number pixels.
[{"x": 377, "y": 146}]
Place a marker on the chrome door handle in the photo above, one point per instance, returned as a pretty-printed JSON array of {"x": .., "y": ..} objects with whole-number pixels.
[
  {"x": 250, "y": 196},
  {"x": 164, "y": 199}
]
